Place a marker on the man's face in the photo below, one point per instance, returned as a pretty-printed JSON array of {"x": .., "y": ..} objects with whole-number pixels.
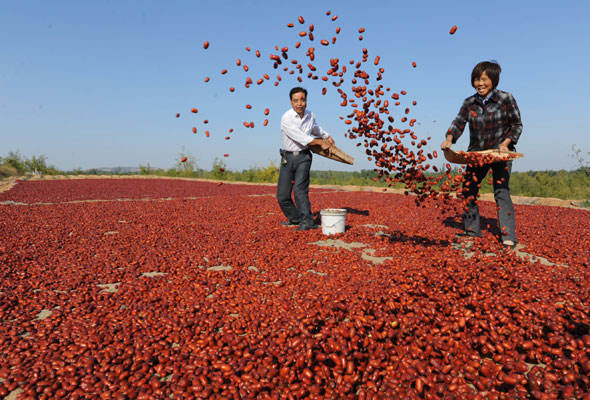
[{"x": 299, "y": 102}]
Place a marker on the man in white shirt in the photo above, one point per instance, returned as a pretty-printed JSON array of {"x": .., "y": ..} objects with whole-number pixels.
[{"x": 300, "y": 131}]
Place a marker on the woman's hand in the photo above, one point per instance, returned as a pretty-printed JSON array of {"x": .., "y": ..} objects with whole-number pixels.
[
  {"x": 447, "y": 143},
  {"x": 503, "y": 147}
]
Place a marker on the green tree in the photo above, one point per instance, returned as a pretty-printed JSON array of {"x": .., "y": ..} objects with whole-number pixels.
[
  {"x": 218, "y": 169},
  {"x": 247, "y": 175},
  {"x": 269, "y": 174},
  {"x": 579, "y": 156},
  {"x": 39, "y": 164},
  {"x": 186, "y": 168},
  {"x": 146, "y": 169},
  {"x": 16, "y": 161}
]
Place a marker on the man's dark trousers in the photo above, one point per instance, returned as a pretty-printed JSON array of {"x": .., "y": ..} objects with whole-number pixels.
[{"x": 294, "y": 176}]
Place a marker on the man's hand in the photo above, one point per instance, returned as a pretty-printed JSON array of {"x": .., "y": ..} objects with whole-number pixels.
[
  {"x": 324, "y": 144},
  {"x": 330, "y": 140},
  {"x": 327, "y": 145}
]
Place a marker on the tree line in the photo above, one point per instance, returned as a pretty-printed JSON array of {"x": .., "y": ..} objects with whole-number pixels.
[{"x": 569, "y": 185}]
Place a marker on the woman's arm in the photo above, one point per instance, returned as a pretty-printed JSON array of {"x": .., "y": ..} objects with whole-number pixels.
[{"x": 457, "y": 127}]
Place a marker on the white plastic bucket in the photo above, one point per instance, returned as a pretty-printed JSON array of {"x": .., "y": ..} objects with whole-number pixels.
[{"x": 333, "y": 220}]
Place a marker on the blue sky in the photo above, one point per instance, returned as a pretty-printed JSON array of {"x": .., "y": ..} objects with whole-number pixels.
[{"x": 98, "y": 84}]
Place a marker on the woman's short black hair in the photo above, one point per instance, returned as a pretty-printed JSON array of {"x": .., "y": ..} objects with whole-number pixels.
[
  {"x": 492, "y": 70},
  {"x": 297, "y": 90}
]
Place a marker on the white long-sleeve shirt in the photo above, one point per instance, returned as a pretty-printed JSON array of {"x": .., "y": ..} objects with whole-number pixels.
[{"x": 299, "y": 132}]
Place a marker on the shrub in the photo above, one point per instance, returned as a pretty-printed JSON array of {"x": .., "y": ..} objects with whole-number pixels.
[{"x": 7, "y": 171}]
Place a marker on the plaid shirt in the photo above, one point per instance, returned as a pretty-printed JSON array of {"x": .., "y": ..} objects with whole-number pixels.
[{"x": 490, "y": 122}]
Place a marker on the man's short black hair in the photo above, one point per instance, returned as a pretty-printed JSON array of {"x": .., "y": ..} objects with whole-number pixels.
[
  {"x": 492, "y": 70},
  {"x": 297, "y": 90}
]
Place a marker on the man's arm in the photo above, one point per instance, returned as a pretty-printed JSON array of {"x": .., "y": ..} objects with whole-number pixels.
[{"x": 292, "y": 130}]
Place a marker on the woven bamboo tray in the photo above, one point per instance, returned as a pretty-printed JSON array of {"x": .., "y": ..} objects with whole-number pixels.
[{"x": 494, "y": 155}]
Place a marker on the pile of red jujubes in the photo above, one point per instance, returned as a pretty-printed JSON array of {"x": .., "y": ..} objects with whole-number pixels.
[
  {"x": 114, "y": 289},
  {"x": 62, "y": 191},
  {"x": 370, "y": 104}
]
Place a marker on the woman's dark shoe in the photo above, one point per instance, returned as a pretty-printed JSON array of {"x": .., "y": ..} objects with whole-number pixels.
[{"x": 466, "y": 234}]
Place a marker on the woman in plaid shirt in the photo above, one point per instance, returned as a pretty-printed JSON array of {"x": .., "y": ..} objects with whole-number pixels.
[{"x": 494, "y": 123}]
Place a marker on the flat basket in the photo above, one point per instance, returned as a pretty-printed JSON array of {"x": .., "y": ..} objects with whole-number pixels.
[{"x": 494, "y": 155}]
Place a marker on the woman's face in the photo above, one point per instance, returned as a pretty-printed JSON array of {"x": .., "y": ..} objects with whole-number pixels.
[{"x": 483, "y": 85}]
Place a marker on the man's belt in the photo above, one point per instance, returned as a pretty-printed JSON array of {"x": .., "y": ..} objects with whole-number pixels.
[{"x": 294, "y": 153}]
